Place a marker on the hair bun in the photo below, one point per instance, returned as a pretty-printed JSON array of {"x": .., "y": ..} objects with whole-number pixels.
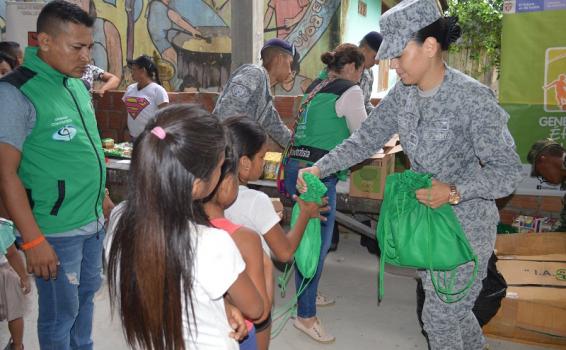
[
  {"x": 328, "y": 58},
  {"x": 453, "y": 30}
]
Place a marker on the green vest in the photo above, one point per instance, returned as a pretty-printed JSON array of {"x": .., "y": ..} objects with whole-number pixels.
[
  {"x": 62, "y": 166},
  {"x": 319, "y": 126}
]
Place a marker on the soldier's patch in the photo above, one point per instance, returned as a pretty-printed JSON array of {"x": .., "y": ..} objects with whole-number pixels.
[
  {"x": 239, "y": 91},
  {"x": 508, "y": 138}
]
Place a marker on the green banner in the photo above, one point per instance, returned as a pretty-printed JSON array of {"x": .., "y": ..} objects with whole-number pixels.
[{"x": 533, "y": 76}]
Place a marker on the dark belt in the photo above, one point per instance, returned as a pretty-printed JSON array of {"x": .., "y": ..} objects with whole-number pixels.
[{"x": 307, "y": 153}]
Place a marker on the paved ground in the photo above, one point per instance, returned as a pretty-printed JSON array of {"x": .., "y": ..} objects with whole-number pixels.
[{"x": 357, "y": 322}]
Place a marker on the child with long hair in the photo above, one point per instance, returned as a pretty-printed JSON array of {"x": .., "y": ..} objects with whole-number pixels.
[
  {"x": 169, "y": 273},
  {"x": 254, "y": 209},
  {"x": 247, "y": 241}
]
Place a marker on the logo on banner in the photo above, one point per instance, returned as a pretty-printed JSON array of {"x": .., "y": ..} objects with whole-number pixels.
[{"x": 555, "y": 80}]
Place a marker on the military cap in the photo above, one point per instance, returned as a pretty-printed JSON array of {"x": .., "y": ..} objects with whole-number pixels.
[
  {"x": 537, "y": 148},
  {"x": 399, "y": 25},
  {"x": 280, "y": 44},
  {"x": 285, "y": 47}
]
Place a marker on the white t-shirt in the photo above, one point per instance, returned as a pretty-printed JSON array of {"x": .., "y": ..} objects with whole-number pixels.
[
  {"x": 254, "y": 210},
  {"x": 217, "y": 265},
  {"x": 351, "y": 106},
  {"x": 142, "y": 105}
]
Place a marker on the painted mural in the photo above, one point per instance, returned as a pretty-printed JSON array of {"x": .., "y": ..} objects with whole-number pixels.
[{"x": 191, "y": 38}]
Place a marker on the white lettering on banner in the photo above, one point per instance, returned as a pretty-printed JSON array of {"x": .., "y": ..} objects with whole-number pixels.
[
  {"x": 557, "y": 133},
  {"x": 552, "y": 121}
]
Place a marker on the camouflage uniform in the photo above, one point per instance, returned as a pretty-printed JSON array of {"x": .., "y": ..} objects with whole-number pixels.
[
  {"x": 458, "y": 133},
  {"x": 366, "y": 84},
  {"x": 247, "y": 92}
]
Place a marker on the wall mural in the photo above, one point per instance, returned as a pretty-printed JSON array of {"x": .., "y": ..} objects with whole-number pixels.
[{"x": 191, "y": 38}]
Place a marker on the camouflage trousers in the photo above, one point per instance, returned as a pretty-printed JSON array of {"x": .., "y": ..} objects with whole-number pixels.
[{"x": 453, "y": 326}]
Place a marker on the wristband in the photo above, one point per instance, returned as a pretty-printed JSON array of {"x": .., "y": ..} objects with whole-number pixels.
[{"x": 33, "y": 243}]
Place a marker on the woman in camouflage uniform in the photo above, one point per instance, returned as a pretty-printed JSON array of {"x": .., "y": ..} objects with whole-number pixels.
[{"x": 452, "y": 127}]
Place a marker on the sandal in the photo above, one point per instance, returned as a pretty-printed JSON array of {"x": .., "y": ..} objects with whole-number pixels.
[
  {"x": 316, "y": 331},
  {"x": 323, "y": 300}
]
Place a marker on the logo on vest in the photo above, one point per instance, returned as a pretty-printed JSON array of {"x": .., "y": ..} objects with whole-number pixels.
[{"x": 66, "y": 133}]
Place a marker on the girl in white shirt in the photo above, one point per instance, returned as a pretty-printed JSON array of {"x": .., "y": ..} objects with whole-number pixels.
[
  {"x": 145, "y": 96},
  {"x": 254, "y": 209},
  {"x": 169, "y": 273}
]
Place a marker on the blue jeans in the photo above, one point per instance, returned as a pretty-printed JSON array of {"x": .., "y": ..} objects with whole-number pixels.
[
  {"x": 306, "y": 307},
  {"x": 66, "y": 303},
  {"x": 250, "y": 342}
]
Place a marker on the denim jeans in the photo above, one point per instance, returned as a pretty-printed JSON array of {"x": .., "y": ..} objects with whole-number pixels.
[
  {"x": 66, "y": 303},
  {"x": 307, "y": 300},
  {"x": 250, "y": 342}
]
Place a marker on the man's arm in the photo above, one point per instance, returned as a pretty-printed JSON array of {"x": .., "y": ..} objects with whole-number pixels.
[
  {"x": 274, "y": 126},
  {"x": 111, "y": 82},
  {"x": 41, "y": 260},
  {"x": 17, "y": 118}
]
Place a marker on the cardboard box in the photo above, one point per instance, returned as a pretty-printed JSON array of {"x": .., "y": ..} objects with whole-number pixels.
[
  {"x": 367, "y": 179},
  {"x": 534, "y": 309}
]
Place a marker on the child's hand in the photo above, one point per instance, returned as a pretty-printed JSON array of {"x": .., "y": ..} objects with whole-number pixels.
[
  {"x": 313, "y": 209},
  {"x": 301, "y": 184},
  {"x": 25, "y": 284},
  {"x": 236, "y": 321}
]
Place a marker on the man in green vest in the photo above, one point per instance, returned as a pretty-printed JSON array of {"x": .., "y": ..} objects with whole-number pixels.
[{"x": 52, "y": 174}]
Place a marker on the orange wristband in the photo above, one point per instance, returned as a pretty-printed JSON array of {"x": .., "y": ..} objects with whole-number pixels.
[{"x": 33, "y": 243}]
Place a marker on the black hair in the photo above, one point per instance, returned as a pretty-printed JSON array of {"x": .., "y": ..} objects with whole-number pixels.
[
  {"x": 57, "y": 12},
  {"x": 342, "y": 55},
  {"x": 152, "y": 254},
  {"x": 247, "y": 136},
  {"x": 145, "y": 62},
  {"x": 10, "y": 48},
  {"x": 4, "y": 57},
  {"x": 445, "y": 30},
  {"x": 229, "y": 167},
  {"x": 554, "y": 150}
]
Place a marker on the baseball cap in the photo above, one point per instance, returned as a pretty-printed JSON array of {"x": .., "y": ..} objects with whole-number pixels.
[{"x": 399, "y": 25}]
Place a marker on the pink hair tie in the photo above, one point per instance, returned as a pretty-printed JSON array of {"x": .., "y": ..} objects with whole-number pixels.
[{"x": 159, "y": 132}]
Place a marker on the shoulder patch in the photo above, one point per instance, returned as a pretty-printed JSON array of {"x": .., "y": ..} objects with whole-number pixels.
[{"x": 239, "y": 91}]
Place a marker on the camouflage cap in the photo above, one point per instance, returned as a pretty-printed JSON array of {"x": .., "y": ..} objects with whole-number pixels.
[
  {"x": 399, "y": 24},
  {"x": 536, "y": 150}
]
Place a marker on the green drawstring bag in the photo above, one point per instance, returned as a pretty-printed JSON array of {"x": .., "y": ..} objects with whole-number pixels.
[
  {"x": 411, "y": 234},
  {"x": 306, "y": 255},
  {"x": 308, "y": 252}
]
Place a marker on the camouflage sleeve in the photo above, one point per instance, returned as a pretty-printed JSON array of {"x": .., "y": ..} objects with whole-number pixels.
[
  {"x": 366, "y": 84},
  {"x": 240, "y": 96},
  {"x": 494, "y": 146},
  {"x": 369, "y": 106},
  {"x": 375, "y": 131},
  {"x": 274, "y": 126}
]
